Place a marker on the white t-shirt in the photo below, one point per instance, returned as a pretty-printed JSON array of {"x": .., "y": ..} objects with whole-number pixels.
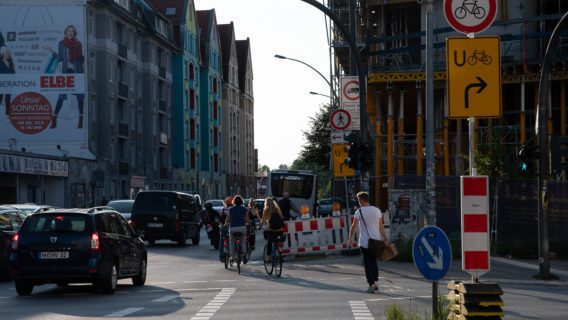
[{"x": 372, "y": 217}]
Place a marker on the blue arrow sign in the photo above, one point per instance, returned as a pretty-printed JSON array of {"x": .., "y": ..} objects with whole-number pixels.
[{"x": 432, "y": 253}]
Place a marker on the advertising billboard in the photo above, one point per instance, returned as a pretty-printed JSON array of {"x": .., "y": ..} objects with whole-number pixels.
[{"x": 43, "y": 100}]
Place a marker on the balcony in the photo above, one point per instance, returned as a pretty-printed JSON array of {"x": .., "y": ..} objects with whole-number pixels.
[
  {"x": 122, "y": 90},
  {"x": 163, "y": 106},
  {"x": 122, "y": 51},
  {"x": 123, "y": 130},
  {"x": 162, "y": 72},
  {"x": 123, "y": 168}
]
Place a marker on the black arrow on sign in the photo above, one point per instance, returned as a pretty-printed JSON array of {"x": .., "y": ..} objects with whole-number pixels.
[
  {"x": 335, "y": 137},
  {"x": 481, "y": 85}
]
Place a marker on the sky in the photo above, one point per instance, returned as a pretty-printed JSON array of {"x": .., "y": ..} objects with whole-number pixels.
[{"x": 282, "y": 102}]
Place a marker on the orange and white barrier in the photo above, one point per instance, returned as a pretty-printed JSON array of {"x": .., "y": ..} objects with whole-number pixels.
[{"x": 317, "y": 235}]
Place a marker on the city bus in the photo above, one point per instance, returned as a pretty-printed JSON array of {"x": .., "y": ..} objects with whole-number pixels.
[{"x": 301, "y": 184}]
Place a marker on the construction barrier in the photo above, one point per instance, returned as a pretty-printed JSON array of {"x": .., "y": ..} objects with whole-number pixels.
[
  {"x": 316, "y": 235},
  {"x": 470, "y": 301}
]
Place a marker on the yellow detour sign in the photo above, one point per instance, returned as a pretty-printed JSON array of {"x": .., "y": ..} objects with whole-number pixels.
[
  {"x": 340, "y": 168},
  {"x": 474, "y": 77}
]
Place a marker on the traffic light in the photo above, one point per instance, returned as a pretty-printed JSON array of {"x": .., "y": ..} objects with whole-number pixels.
[
  {"x": 366, "y": 156},
  {"x": 353, "y": 156},
  {"x": 527, "y": 158}
]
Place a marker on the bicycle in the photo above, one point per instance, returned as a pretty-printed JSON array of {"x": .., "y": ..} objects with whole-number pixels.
[
  {"x": 479, "y": 55},
  {"x": 274, "y": 266},
  {"x": 471, "y": 8},
  {"x": 251, "y": 233},
  {"x": 238, "y": 248},
  {"x": 226, "y": 256}
]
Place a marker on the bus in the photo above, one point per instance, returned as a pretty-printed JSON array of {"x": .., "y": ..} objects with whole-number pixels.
[{"x": 301, "y": 184}]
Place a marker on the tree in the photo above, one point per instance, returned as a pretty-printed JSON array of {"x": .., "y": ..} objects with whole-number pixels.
[
  {"x": 264, "y": 168},
  {"x": 317, "y": 150}
]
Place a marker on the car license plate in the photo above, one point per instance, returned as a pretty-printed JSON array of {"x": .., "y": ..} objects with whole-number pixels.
[
  {"x": 54, "y": 255},
  {"x": 155, "y": 225}
]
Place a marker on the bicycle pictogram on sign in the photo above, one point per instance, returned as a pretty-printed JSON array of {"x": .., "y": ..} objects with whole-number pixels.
[
  {"x": 481, "y": 56},
  {"x": 469, "y": 7}
]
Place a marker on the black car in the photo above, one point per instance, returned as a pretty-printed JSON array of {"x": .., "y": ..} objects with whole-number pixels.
[
  {"x": 64, "y": 246},
  {"x": 10, "y": 221},
  {"x": 169, "y": 215}
]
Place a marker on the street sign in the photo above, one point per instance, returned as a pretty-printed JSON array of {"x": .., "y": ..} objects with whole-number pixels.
[
  {"x": 475, "y": 224},
  {"x": 474, "y": 77},
  {"x": 340, "y": 168},
  {"x": 350, "y": 100},
  {"x": 470, "y": 16},
  {"x": 340, "y": 119},
  {"x": 432, "y": 253}
]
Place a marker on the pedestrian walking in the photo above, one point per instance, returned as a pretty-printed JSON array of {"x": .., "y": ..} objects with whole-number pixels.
[{"x": 368, "y": 220}]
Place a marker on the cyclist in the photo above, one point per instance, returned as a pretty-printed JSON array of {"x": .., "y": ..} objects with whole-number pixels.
[
  {"x": 253, "y": 217},
  {"x": 272, "y": 234},
  {"x": 223, "y": 227},
  {"x": 237, "y": 220}
]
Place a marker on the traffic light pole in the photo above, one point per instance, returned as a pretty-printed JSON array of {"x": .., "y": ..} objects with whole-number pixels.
[{"x": 543, "y": 92}]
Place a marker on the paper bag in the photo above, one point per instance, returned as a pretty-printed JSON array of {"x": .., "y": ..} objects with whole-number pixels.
[{"x": 389, "y": 252}]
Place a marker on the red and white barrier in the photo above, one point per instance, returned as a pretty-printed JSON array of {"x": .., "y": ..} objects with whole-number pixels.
[
  {"x": 475, "y": 225},
  {"x": 317, "y": 235}
]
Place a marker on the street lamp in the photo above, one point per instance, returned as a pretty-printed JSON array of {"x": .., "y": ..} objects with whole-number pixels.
[
  {"x": 320, "y": 94},
  {"x": 278, "y": 56}
]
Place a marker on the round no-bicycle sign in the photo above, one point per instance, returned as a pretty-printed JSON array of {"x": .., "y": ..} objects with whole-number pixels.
[
  {"x": 340, "y": 119},
  {"x": 470, "y": 16}
]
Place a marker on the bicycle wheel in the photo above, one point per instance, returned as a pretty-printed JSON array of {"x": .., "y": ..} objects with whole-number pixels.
[
  {"x": 278, "y": 263},
  {"x": 479, "y": 12},
  {"x": 267, "y": 264},
  {"x": 460, "y": 13}
]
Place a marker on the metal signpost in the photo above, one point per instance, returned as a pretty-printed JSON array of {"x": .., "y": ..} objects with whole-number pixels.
[{"x": 432, "y": 255}]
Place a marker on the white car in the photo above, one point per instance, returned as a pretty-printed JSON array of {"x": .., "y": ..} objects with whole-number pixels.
[
  {"x": 124, "y": 207},
  {"x": 217, "y": 204}
]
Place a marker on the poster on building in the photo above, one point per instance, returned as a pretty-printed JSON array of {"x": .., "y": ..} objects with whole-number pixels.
[
  {"x": 43, "y": 105},
  {"x": 406, "y": 207}
]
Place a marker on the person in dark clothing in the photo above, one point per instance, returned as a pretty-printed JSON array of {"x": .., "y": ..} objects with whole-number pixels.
[
  {"x": 286, "y": 205},
  {"x": 238, "y": 220},
  {"x": 223, "y": 227},
  {"x": 210, "y": 218},
  {"x": 253, "y": 217}
]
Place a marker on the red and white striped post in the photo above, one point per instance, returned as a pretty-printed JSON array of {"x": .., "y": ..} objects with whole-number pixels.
[{"x": 475, "y": 224}]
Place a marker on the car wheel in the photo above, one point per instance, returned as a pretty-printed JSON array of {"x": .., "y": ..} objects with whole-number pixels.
[
  {"x": 182, "y": 239},
  {"x": 109, "y": 281},
  {"x": 24, "y": 288},
  {"x": 140, "y": 278}
]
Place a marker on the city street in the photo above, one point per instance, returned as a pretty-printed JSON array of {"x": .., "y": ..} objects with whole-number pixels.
[{"x": 190, "y": 283}]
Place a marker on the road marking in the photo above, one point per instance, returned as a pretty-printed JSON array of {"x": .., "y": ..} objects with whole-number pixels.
[
  {"x": 226, "y": 280},
  {"x": 195, "y": 281},
  {"x": 123, "y": 313},
  {"x": 200, "y": 289},
  {"x": 398, "y": 298},
  {"x": 214, "y": 305},
  {"x": 166, "y": 282},
  {"x": 166, "y": 298},
  {"x": 360, "y": 310}
]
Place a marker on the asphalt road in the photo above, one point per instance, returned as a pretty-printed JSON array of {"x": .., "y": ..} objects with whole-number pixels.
[{"x": 190, "y": 283}]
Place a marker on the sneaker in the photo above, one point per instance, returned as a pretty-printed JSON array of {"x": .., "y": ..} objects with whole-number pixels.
[
  {"x": 371, "y": 289},
  {"x": 376, "y": 286}
]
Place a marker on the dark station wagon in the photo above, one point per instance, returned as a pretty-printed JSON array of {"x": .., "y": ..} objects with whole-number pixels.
[{"x": 62, "y": 246}]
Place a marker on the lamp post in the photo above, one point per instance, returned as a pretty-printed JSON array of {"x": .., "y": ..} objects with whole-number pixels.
[
  {"x": 319, "y": 94},
  {"x": 333, "y": 98}
]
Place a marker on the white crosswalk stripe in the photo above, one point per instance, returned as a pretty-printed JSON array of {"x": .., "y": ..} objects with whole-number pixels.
[{"x": 214, "y": 305}]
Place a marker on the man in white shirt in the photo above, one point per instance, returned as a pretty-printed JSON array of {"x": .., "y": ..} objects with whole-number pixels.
[{"x": 368, "y": 220}]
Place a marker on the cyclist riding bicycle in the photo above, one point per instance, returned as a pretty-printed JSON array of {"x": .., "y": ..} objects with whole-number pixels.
[
  {"x": 238, "y": 220},
  {"x": 273, "y": 232},
  {"x": 253, "y": 217},
  {"x": 223, "y": 226}
]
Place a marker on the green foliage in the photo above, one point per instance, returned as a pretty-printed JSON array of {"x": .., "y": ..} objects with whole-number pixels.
[
  {"x": 317, "y": 149},
  {"x": 499, "y": 160},
  {"x": 395, "y": 312}
]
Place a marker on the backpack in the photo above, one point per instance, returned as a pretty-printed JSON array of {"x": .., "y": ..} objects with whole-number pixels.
[{"x": 276, "y": 221}]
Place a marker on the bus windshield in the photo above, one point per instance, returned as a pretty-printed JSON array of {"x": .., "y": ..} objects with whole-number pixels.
[{"x": 298, "y": 185}]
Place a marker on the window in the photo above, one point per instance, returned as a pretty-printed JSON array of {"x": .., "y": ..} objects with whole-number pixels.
[
  {"x": 192, "y": 159},
  {"x": 57, "y": 222}
]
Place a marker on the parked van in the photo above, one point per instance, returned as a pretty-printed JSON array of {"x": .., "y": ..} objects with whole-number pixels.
[{"x": 169, "y": 215}]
